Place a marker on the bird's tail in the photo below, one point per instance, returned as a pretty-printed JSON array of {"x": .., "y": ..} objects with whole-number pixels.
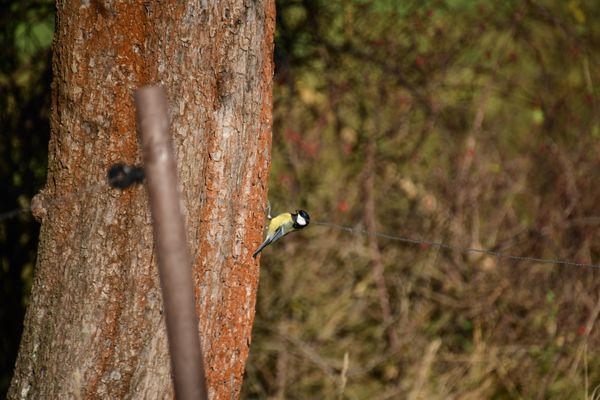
[{"x": 261, "y": 247}]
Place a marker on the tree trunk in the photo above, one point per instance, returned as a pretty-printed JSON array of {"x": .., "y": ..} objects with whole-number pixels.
[{"x": 94, "y": 327}]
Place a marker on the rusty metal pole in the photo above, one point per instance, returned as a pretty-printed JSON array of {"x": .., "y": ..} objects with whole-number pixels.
[{"x": 169, "y": 234}]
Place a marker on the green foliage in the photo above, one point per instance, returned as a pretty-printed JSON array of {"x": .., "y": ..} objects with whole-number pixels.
[{"x": 485, "y": 123}]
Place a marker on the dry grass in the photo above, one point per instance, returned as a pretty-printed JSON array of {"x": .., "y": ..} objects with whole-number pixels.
[{"x": 484, "y": 143}]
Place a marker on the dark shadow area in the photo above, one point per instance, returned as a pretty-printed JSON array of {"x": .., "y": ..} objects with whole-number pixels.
[{"x": 25, "y": 77}]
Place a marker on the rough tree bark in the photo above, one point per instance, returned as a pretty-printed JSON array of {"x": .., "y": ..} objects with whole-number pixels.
[{"x": 94, "y": 327}]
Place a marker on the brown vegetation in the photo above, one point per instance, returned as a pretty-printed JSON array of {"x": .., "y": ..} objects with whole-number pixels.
[{"x": 460, "y": 121}]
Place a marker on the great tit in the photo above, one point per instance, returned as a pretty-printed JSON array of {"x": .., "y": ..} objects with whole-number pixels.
[{"x": 283, "y": 224}]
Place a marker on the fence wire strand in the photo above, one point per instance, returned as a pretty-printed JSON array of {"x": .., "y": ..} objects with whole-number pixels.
[
  {"x": 442, "y": 245},
  {"x": 7, "y": 215}
]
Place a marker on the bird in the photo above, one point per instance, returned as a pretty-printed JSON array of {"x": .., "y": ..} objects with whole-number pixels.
[{"x": 281, "y": 225}]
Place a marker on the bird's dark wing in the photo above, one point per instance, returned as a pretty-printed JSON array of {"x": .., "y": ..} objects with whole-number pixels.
[{"x": 279, "y": 233}]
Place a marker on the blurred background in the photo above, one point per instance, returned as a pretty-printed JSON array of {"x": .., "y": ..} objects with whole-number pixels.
[
  {"x": 26, "y": 29},
  {"x": 470, "y": 122}
]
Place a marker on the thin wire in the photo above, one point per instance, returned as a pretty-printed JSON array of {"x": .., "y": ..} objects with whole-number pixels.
[
  {"x": 49, "y": 202},
  {"x": 120, "y": 176},
  {"x": 14, "y": 213},
  {"x": 442, "y": 245},
  {"x": 18, "y": 211}
]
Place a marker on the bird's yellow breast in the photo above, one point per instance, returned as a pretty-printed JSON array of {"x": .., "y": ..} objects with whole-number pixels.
[{"x": 281, "y": 219}]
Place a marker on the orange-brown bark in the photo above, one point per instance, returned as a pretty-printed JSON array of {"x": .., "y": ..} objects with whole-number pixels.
[{"x": 94, "y": 327}]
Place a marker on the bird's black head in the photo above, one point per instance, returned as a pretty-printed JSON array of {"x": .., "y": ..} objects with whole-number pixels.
[{"x": 301, "y": 219}]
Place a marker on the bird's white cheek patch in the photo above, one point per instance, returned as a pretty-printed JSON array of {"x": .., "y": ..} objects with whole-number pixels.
[{"x": 300, "y": 221}]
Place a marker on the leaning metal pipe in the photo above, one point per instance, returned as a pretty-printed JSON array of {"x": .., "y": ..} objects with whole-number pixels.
[{"x": 169, "y": 234}]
